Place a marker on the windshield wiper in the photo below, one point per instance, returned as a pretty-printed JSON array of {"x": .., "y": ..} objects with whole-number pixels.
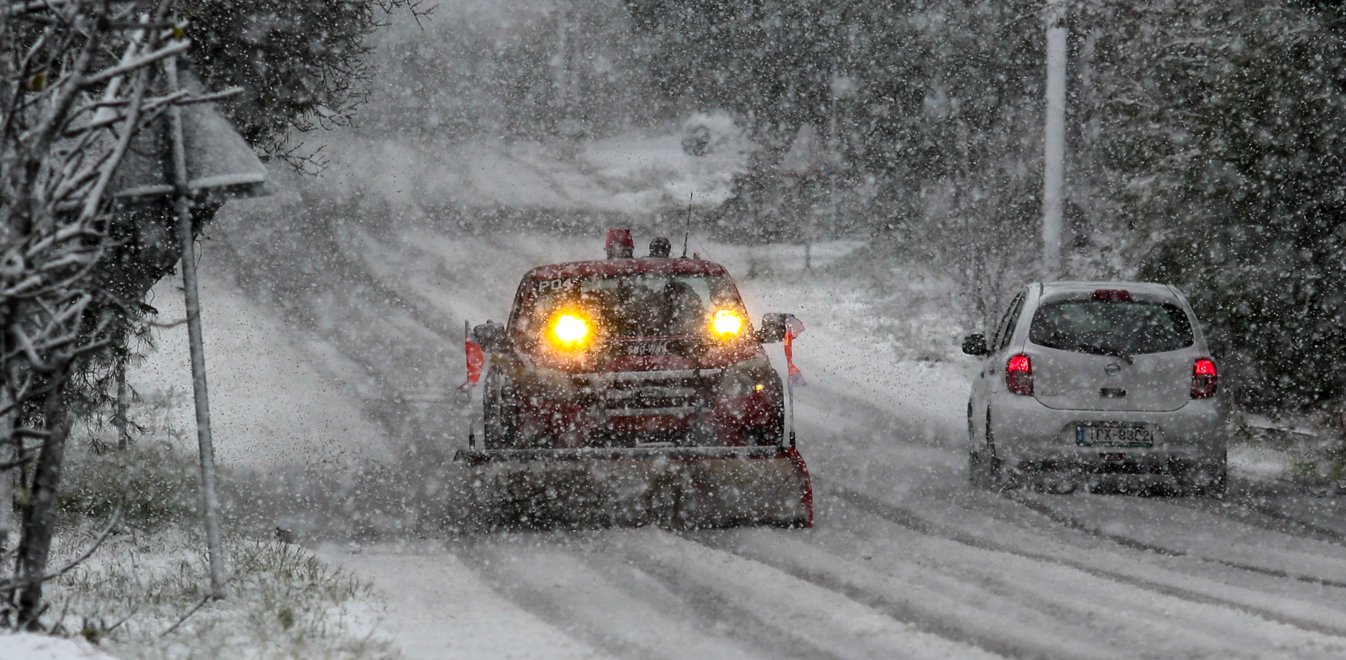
[{"x": 1100, "y": 350}]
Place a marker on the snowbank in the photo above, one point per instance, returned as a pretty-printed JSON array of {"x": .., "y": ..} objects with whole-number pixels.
[
  {"x": 272, "y": 400},
  {"x": 30, "y": 646},
  {"x": 637, "y": 173}
]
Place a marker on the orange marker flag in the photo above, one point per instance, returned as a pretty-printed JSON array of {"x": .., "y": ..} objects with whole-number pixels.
[
  {"x": 793, "y": 328},
  {"x": 476, "y": 359}
]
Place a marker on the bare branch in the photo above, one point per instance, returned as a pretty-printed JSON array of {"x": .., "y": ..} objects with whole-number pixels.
[
  {"x": 95, "y": 197},
  {"x": 173, "y": 48}
]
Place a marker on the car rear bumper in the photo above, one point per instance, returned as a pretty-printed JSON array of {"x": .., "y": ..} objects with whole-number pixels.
[{"x": 1030, "y": 436}]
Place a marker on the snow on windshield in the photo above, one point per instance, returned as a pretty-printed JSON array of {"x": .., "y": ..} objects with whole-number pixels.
[
  {"x": 647, "y": 305},
  {"x": 1107, "y": 327}
]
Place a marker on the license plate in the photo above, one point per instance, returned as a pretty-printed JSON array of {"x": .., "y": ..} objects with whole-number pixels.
[
  {"x": 645, "y": 349},
  {"x": 1113, "y": 435}
]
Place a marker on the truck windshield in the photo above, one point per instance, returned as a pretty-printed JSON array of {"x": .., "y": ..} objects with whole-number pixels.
[
  {"x": 635, "y": 305},
  {"x": 1111, "y": 327}
]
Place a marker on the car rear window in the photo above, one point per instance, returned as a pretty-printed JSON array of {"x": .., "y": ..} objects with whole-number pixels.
[{"x": 1111, "y": 327}]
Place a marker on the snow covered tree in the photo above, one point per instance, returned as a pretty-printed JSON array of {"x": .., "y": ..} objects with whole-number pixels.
[
  {"x": 1219, "y": 143},
  {"x": 301, "y": 64},
  {"x": 79, "y": 85}
]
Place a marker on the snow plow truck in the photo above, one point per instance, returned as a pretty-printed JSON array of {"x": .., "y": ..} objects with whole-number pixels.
[{"x": 634, "y": 390}]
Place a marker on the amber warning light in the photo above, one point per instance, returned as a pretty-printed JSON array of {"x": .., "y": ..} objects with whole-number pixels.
[
  {"x": 569, "y": 330},
  {"x": 726, "y": 323}
]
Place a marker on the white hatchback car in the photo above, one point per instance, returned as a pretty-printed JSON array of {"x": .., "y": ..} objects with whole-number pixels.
[{"x": 1097, "y": 377}]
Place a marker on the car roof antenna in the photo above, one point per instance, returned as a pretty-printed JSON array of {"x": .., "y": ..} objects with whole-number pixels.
[{"x": 688, "y": 231}]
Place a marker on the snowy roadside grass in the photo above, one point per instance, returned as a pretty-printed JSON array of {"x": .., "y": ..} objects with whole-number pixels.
[
  {"x": 36, "y": 645},
  {"x": 142, "y": 593},
  {"x": 1306, "y": 449},
  {"x": 132, "y": 596}
]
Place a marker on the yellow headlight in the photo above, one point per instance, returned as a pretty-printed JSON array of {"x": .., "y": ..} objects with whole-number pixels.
[
  {"x": 726, "y": 323},
  {"x": 568, "y": 330}
]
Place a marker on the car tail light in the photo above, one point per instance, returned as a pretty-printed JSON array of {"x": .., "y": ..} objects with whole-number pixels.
[
  {"x": 1019, "y": 375},
  {"x": 1112, "y": 295},
  {"x": 1205, "y": 378}
]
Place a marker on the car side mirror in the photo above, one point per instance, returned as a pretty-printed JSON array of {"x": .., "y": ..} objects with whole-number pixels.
[
  {"x": 773, "y": 328},
  {"x": 491, "y": 336},
  {"x": 976, "y": 345}
]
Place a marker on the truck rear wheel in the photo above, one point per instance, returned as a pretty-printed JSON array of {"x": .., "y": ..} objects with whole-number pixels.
[{"x": 500, "y": 418}]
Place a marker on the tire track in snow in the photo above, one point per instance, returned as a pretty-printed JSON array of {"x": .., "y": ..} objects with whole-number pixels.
[
  {"x": 804, "y": 608},
  {"x": 925, "y": 609},
  {"x": 1074, "y": 523},
  {"x": 1256, "y": 512},
  {"x": 916, "y": 522},
  {"x": 697, "y": 597},
  {"x": 713, "y": 608},
  {"x": 553, "y": 578}
]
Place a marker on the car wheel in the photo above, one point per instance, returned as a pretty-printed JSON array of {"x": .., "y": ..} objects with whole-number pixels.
[{"x": 984, "y": 468}]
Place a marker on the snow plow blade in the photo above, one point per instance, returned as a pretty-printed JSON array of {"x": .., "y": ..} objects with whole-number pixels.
[{"x": 680, "y": 487}]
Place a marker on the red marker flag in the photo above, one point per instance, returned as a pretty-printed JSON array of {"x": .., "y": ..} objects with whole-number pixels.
[
  {"x": 793, "y": 328},
  {"x": 476, "y": 359}
]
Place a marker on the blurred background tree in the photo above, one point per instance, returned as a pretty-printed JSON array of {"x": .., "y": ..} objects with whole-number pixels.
[
  {"x": 1204, "y": 148},
  {"x": 302, "y": 64}
]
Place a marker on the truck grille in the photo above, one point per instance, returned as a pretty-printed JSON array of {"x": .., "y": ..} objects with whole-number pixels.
[{"x": 639, "y": 393}]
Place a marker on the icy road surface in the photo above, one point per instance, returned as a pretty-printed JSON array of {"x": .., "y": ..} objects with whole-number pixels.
[{"x": 343, "y": 417}]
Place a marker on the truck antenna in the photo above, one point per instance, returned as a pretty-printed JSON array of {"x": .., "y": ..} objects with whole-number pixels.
[{"x": 688, "y": 231}]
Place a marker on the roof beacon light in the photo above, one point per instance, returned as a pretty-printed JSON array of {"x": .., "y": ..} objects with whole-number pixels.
[{"x": 619, "y": 245}]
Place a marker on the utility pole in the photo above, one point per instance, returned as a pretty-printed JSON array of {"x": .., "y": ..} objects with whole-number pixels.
[
  {"x": 561, "y": 73},
  {"x": 8, "y": 476},
  {"x": 183, "y": 205},
  {"x": 833, "y": 163},
  {"x": 1054, "y": 140}
]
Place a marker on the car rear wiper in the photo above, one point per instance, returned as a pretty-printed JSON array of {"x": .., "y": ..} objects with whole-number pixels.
[{"x": 1099, "y": 350}]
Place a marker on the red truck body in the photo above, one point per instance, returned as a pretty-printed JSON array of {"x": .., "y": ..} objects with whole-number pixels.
[{"x": 648, "y": 371}]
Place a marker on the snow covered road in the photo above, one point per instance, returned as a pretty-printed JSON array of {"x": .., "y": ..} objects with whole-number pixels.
[{"x": 905, "y": 560}]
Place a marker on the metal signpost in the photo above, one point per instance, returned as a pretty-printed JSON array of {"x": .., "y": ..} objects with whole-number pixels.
[{"x": 183, "y": 206}]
